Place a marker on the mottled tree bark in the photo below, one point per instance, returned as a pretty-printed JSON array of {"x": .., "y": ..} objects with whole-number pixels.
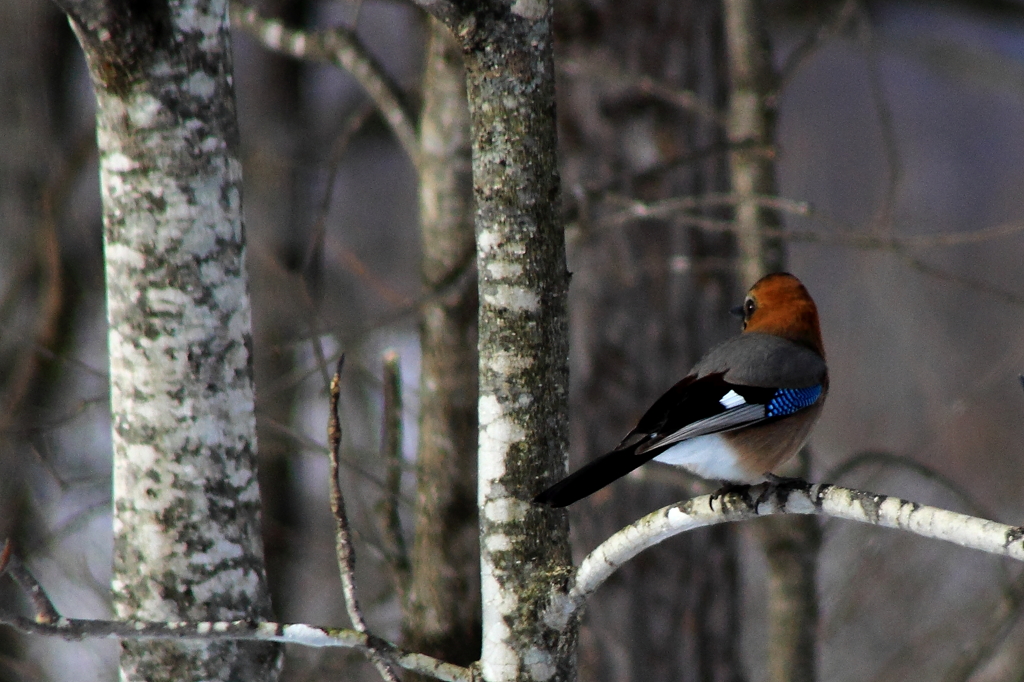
[
  {"x": 186, "y": 501},
  {"x": 523, "y": 335},
  {"x": 443, "y": 609},
  {"x": 791, "y": 544}
]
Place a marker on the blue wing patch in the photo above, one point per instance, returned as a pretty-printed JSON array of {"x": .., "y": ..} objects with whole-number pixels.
[{"x": 789, "y": 400}]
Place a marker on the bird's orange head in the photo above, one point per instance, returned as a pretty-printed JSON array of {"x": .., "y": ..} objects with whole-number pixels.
[{"x": 779, "y": 304}]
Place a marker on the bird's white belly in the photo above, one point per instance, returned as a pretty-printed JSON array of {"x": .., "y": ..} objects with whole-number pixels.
[{"x": 709, "y": 457}]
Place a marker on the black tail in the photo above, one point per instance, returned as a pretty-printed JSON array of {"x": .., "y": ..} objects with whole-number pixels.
[{"x": 594, "y": 476}]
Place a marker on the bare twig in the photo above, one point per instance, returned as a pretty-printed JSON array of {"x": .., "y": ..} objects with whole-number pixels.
[
  {"x": 676, "y": 209},
  {"x": 45, "y": 613},
  {"x": 797, "y": 497},
  {"x": 870, "y": 457},
  {"x": 967, "y": 282},
  {"x": 882, "y": 220},
  {"x": 343, "y": 535},
  {"x": 339, "y": 46},
  {"x": 353, "y": 123},
  {"x": 805, "y": 49},
  {"x": 391, "y": 453},
  {"x": 841, "y": 233},
  {"x": 605, "y": 71},
  {"x": 74, "y": 629},
  {"x": 889, "y": 459},
  {"x": 1005, "y": 617}
]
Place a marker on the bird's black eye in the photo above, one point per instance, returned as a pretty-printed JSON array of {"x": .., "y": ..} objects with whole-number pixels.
[{"x": 749, "y": 307}]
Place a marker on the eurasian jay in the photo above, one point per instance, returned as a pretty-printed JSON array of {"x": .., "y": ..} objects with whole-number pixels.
[{"x": 745, "y": 408}]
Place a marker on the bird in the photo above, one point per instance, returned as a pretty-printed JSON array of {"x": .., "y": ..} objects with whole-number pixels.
[{"x": 745, "y": 408}]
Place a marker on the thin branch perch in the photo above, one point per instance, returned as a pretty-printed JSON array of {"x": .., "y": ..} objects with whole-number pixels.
[
  {"x": 798, "y": 497},
  {"x": 791, "y": 498}
]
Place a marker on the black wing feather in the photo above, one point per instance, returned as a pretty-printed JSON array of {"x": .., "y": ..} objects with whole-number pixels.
[{"x": 689, "y": 401}]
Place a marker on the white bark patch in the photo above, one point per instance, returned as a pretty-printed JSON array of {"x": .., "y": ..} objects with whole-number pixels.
[
  {"x": 201, "y": 85},
  {"x": 539, "y": 663},
  {"x": 308, "y": 636},
  {"x": 504, "y": 269},
  {"x": 124, "y": 255},
  {"x": 508, "y": 363},
  {"x": 497, "y": 543},
  {"x": 499, "y": 660},
  {"x": 530, "y": 9},
  {"x": 519, "y": 299},
  {"x": 120, "y": 163},
  {"x": 505, "y": 509},
  {"x": 497, "y": 432},
  {"x": 144, "y": 110},
  {"x": 488, "y": 241}
]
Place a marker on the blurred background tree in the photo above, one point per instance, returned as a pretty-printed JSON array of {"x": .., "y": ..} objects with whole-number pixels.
[{"x": 898, "y": 122}]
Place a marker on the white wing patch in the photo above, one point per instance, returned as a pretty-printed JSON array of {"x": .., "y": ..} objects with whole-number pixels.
[{"x": 731, "y": 399}]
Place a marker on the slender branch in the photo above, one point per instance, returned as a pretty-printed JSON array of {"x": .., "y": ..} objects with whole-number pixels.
[
  {"x": 810, "y": 45},
  {"x": 900, "y": 246},
  {"x": 889, "y": 459},
  {"x": 391, "y": 453},
  {"x": 669, "y": 208},
  {"x": 609, "y": 73},
  {"x": 342, "y": 534},
  {"x": 10, "y": 564},
  {"x": 1005, "y": 617},
  {"x": 339, "y": 46},
  {"x": 882, "y": 219},
  {"x": 74, "y": 629},
  {"x": 797, "y": 497},
  {"x": 354, "y": 122}
]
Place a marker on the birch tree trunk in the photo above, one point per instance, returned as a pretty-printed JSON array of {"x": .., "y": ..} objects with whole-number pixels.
[
  {"x": 791, "y": 544},
  {"x": 186, "y": 501},
  {"x": 443, "y": 614},
  {"x": 523, "y": 335}
]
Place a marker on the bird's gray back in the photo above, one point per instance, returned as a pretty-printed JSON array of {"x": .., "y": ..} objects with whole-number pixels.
[{"x": 757, "y": 359}]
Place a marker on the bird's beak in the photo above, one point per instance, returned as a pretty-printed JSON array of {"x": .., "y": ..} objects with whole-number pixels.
[{"x": 737, "y": 311}]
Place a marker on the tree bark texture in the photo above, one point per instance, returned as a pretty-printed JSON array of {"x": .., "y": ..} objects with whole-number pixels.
[
  {"x": 443, "y": 610},
  {"x": 523, "y": 335},
  {"x": 752, "y": 126},
  {"x": 791, "y": 544},
  {"x": 649, "y": 297},
  {"x": 186, "y": 500}
]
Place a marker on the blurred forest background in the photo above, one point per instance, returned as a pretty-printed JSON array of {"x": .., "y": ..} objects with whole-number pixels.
[{"x": 900, "y": 134}]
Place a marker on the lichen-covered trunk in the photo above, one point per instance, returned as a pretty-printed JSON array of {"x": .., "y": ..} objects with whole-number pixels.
[
  {"x": 523, "y": 336},
  {"x": 443, "y": 610},
  {"x": 791, "y": 544},
  {"x": 186, "y": 501}
]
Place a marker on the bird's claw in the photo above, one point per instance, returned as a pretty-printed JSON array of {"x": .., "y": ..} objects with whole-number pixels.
[
  {"x": 777, "y": 483},
  {"x": 727, "y": 489}
]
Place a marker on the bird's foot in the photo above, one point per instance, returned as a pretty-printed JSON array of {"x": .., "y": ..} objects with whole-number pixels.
[
  {"x": 727, "y": 489},
  {"x": 778, "y": 484}
]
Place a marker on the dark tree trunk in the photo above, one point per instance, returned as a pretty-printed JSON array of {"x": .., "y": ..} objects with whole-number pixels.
[{"x": 649, "y": 298}]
